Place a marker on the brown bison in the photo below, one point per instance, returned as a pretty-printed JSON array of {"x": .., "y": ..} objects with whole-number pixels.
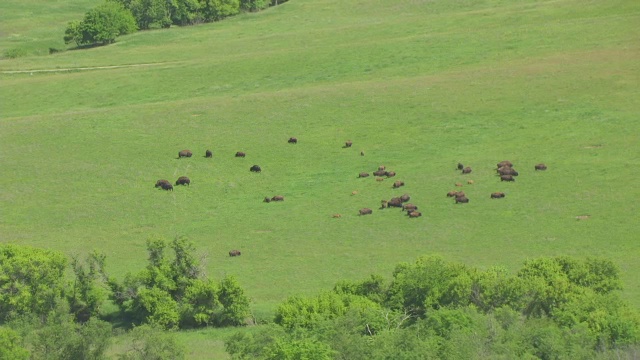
[
  {"x": 240, "y": 154},
  {"x": 366, "y": 211},
  {"x": 391, "y": 173},
  {"x": 452, "y": 194},
  {"x": 414, "y": 214},
  {"x": 277, "y": 198},
  {"x": 292, "y": 140},
  {"x": 541, "y": 167},
  {"x": 363, "y": 174},
  {"x": 409, "y": 207},
  {"x": 382, "y": 167},
  {"x": 167, "y": 186},
  {"x": 184, "y": 153},
  {"x": 507, "y": 171},
  {"x": 266, "y": 199},
  {"x": 380, "y": 173},
  {"x": 507, "y": 178},
  {"x": 398, "y": 184},
  {"x": 462, "y": 199},
  {"x": 405, "y": 197},
  {"x": 505, "y": 163},
  {"x": 497, "y": 195},
  {"x": 183, "y": 180},
  {"x": 336, "y": 216},
  {"x": 208, "y": 154},
  {"x": 255, "y": 168},
  {"x": 466, "y": 170},
  {"x": 233, "y": 253},
  {"x": 460, "y": 166},
  {"x": 395, "y": 202},
  {"x": 348, "y": 144},
  {"x": 161, "y": 181}
]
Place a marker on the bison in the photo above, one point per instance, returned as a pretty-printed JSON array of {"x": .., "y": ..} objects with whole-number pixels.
[
  {"x": 497, "y": 195},
  {"x": 240, "y": 154},
  {"x": 183, "y": 180},
  {"x": 505, "y": 170},
  {"x": 382, "y": 167},
  {"x": 184, "y": 153},
  {"x": 409, "y": 207},
  {"x": 208, "y": 154},
  {"x": 395, "y": 202},
  {"x": 398, "y": 184},
  {"x": 255, "y": 168},
  {"x": 391, "y": 173},
  {"x": 452, "y": 194},
  {"x": 348, "y": 144},
  {"x": 405, "y": 197},
  {"x": 233, "y": 253},
  {"x": 336, "y": 216},
  {"x": 541, "y": 167},
  {"x": 167, "y": 186},
  {"x": 161, "y": 181},
  {"x": 363, "y": 174},
  {"x": 380, "y": 173},
  {"x": 277, "y": 198},
  {"x": 470, "y": 182},
  {"x": 292, "y": 140},
  {"x": 460, "y": 166},
  {"x": 379, "y": 179},
  {"x": 266, "y": 199},
  {"x": 366, "y": 211},
  {"x": 505, "y": 163},
  {"x": 466, "y": 170},
  {"x": 462, "y": 199},
  {"x": 507, "y": 178},
  {"x": 414, "y": 214}
]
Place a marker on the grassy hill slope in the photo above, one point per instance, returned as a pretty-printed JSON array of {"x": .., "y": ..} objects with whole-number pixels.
[{"x": 417, "y": 85}]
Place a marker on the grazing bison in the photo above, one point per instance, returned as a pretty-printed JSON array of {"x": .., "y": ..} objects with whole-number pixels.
[
  {"x": 405, "y": 197},
  {"x": 161, "y": 181},
  {"x": 505, "y": 170},
  {"x": 414, "y": 214},
  {"x": 505, "y": 163},
  {"x": 366, "y": 211},
  {"x": 391, "y": 173},
  {"x": 255, "y": 168},
  {"x": 380, "y": 173},
  {"x": 462, "y": 199},
  {"x": 541, "y": 167},
  {"x": 507, "y": 178},
  {"x": 277, "y": 198},
  {"x": 208, "y": 154},
  {"x": 167, "y": 186},
  {"x": 460, "y": 166},
  {"x": 452, "y": 193},
  {"x": 266, "y": 199},
  {"x": 409, "y": 207},
  {"x": 183, "y": 180},
  {"x": 184, "y": 153},
  {"x": 466, "y": 170},
  {"x": 240, "y": 154},
  {"x": 292, "y": 140},
  {"x": 363, "y": 174},
  {"x": 233, "y": 253},
  {"x": 497, "y": 195},
  {"x": 395, "y": 202},
  {"x": 398, "y": 184},
  {"x": 348, "y": 144}
]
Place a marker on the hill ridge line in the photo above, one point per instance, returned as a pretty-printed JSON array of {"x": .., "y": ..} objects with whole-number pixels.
[{"x": 86, "y": 68}]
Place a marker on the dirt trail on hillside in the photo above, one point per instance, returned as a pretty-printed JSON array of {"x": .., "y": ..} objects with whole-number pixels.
[{"x": 84, "y": 68}]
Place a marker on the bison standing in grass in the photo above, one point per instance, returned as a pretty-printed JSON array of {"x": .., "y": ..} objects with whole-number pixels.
[
  {"x": 507, "y": 178},
  {"x": 414, "y": 214},
  {"x": 541, "y": 167},
  {"x": 363, "y": 174},
  {"x": 466, "y": 170},
  {"x": 240, "y": 154},
  {"x": 461, "y": 199},
  {"x": 497, "y": 195},
  {"x": 183, "y": 180},
  {"x": 460, "y": 166},
  {"x": 255, "y": 168},
  {"x": 292, "y": 140},
  {"x": 208, "y": 154},
  {"x": 348, "y": 144},
  {"x": 366, "y": 211},
  {"x": 161, "y": 181},
  {"x": 184, "y": 153},
  {"x": 233, "y": 253},
  {"x": 167, "y": 186},
  {"x": 398, "y": 184},
  {"x": 409, "y": 207}
]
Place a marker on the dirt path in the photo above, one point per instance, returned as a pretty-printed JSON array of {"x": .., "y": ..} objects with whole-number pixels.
[{"x": 83, "y": 68}]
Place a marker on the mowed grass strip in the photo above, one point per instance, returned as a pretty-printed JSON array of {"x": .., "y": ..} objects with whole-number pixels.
[{"x": 417, "y": 86}]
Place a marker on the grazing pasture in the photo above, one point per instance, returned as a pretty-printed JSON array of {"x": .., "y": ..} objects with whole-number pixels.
[{"x": 417, "y": 86}]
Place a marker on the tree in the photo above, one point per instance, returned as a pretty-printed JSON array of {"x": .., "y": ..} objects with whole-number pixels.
[
  {"x": 216, "y": 10},
  {"x": 10, "y": 345},
  {"x": 31, "y": 280},
  {"x": 101, "y": 25},
  {"x": 89, "y": 289},
  {"x": 151, "y": 342},
  {"x": 150, "y": 13}
]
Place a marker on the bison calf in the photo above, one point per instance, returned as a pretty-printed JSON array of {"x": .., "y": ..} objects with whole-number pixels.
[
  {"x": 366, "y": 211},
  {"x": 234, "y": 253}
]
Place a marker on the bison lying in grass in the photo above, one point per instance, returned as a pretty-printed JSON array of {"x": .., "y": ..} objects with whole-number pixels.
[
  {"x": 541, "y": 167},
  {"x": 497, "y": 195},
  {"x": 234, "y": 253},
  {"x": 184, "y": 153},
  {"x": 366, "y": 211}
]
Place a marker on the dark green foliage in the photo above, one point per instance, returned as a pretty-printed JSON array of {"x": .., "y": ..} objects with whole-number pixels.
[
  {"x": 150, "y": 342},
  {"x": 150, "y": 13},
  {"x": 255, "y": 5},
  {"x": 101, "y": 25},
  {"x": 89, "y": 289},
  {"x": 216, "y": 10},
  {"x": 172, "y": 292},
  {"x": 31, "y": 280}
]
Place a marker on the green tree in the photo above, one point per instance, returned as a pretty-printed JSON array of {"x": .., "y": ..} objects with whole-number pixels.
[
  {"x": 11, "y": 345},
  {"x": 89, "y": 289},
  {"x": 150, "y": 13},
  {"x": 149, "y": 342},
  {"x": 216, "y": 10},
  {"x": 101, "y": 25},
  {"x": 235, "y": 303},
  {"x": 31, "y": 280},
  {"x": 308, "y": 349},
  {"x": 254, "y": 5}
]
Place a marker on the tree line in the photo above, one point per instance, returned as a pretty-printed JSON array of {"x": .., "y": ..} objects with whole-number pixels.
[
  {"x": 46, "y": 315},
  {"x": 102, "y": 24}
]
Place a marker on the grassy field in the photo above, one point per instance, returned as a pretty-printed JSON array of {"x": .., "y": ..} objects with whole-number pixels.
[{"x": 417, "y": 85}]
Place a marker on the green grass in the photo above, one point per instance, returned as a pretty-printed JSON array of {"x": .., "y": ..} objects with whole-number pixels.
[{"x": 418, "y": 86}]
